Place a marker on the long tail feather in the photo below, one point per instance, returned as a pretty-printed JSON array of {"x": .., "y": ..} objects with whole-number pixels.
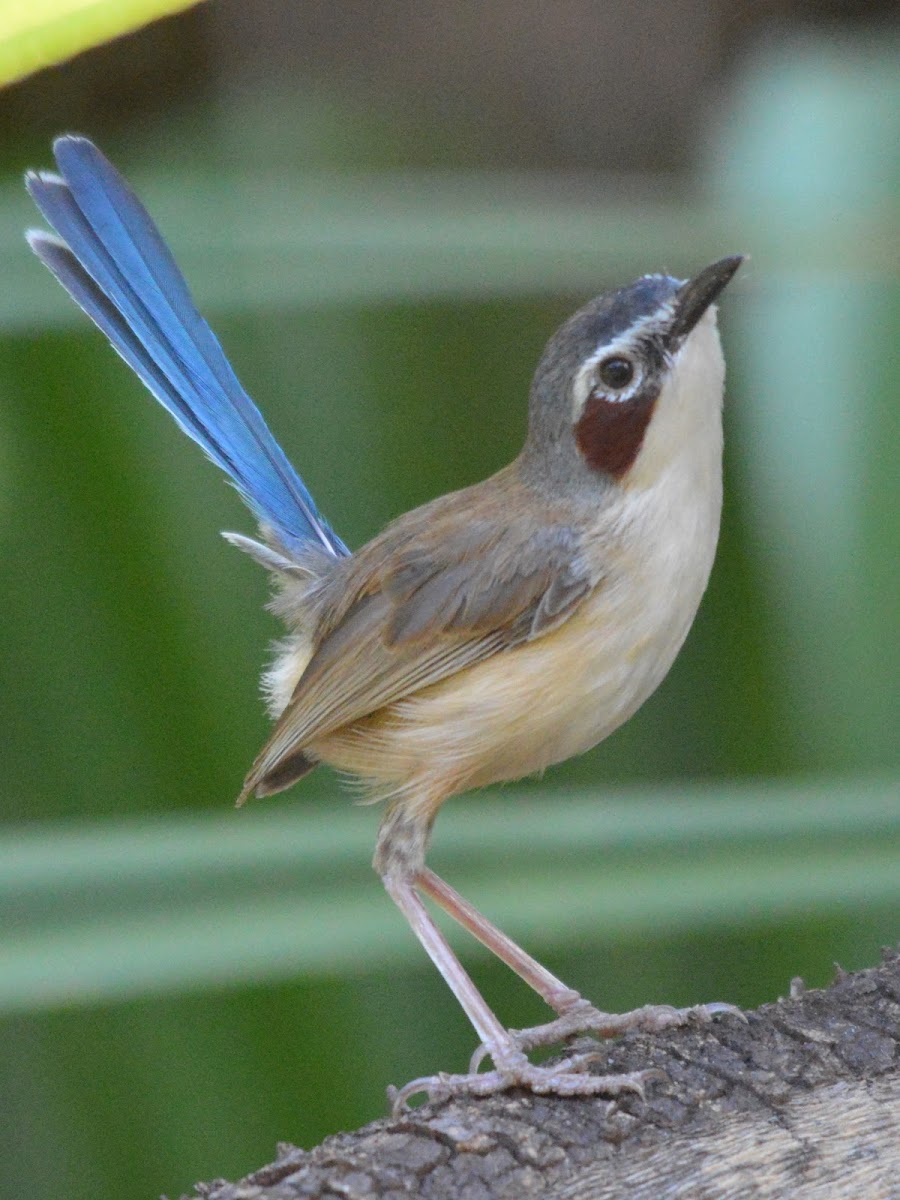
[{"x": 111, "y": 258}]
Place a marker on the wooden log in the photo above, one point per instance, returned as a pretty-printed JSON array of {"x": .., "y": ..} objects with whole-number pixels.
[{"x": 800, "y": 1100}]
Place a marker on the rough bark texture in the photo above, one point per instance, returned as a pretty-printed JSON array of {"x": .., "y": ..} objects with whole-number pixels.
[{"x": 802, "y": 1100}]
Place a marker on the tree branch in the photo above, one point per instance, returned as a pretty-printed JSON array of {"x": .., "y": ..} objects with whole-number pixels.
[{"x": 799, "y": 1101}]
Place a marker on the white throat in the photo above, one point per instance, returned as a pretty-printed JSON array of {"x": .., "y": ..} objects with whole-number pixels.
[{"x": 685, "y": 433}]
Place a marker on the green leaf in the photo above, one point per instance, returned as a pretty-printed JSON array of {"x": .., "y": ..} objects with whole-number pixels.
[{"x": 126, "y": 909}]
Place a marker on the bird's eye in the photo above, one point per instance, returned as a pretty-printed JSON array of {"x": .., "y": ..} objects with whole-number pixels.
[{"x": 616, "y": 372}]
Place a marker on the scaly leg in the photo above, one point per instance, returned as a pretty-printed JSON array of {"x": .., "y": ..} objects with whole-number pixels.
[
  {"x": 576, "y": 1015},
  {"x": 511, "y": 1067}
]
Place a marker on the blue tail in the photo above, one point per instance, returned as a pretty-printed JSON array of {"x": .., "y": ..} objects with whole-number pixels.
[{"x": 112, "y": 260}]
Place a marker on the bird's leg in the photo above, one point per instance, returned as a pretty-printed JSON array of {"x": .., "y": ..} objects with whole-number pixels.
[
  {"x": 488, "y": 1028},
  {"x": 576, "y": 1015},
  {"x": 561, "y": 998},
  {"x": 511, "y": 1067}
]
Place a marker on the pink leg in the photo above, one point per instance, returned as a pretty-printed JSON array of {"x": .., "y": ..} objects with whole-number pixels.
[
  {"x": 495, "y": 1038},
  {"x": 511, "y": 1067},
  {"x": 399, "y": 859},
  {"x": 553, "y": 991},
  {"x": 576, "y": 1015}
]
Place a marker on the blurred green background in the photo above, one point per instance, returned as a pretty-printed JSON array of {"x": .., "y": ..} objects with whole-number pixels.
[{"x": 385, "y": 211}]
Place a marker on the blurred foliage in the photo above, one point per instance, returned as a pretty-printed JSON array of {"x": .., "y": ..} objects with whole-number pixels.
[
  {"x": 388, "y": 324},
  {"x": 44, "y": 32}
]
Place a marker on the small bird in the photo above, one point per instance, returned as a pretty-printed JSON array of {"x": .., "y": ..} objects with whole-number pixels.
[{"x": 481, "y": 637}]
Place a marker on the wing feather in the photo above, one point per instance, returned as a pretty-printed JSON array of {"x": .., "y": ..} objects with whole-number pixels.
[{"x": 423, "y": 615}]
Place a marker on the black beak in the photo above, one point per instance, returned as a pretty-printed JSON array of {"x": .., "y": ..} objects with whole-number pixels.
[{"x": 694, "y": 297}]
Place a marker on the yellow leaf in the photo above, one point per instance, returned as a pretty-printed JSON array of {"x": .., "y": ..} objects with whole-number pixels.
[{"x": 40, "y": 33}]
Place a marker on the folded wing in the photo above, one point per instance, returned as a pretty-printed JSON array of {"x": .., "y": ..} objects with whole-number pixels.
[{"x": 419, "y": 618}]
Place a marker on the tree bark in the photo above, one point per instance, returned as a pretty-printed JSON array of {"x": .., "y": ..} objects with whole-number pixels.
[{"x": 801, "y": 1100}]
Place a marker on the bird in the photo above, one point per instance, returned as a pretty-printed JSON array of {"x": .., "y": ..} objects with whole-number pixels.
[{"x": 481, "y": 637}]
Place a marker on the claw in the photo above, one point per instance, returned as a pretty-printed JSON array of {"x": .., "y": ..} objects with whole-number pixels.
[
  {"x": 431, "y": 1085},
  {"x": 706, "y": 1012},
  {"x": 481, "y": 1053}
]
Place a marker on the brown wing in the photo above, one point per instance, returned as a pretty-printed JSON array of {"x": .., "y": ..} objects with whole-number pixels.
[{"x": 431, "y": 608}]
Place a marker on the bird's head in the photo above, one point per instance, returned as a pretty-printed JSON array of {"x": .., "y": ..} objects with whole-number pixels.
[{"x": 629, "y": 380}]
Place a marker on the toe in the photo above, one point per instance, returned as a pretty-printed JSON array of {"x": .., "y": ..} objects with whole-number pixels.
[{"x": 566, "y": 1078}]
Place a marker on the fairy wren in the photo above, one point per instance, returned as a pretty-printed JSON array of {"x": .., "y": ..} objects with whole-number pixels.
[{"x": 483, "y": 636}]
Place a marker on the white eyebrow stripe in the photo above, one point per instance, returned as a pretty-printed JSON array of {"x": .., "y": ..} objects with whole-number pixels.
[{"x": 583, "y": 383}]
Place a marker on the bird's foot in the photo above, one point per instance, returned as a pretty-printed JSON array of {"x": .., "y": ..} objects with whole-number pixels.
[
  {"x": 583, "y": 1018},
  {"x": 566, "y": 1078}
]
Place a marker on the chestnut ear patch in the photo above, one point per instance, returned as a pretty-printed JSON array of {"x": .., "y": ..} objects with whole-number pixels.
[{"x": 610, "y": 433}]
